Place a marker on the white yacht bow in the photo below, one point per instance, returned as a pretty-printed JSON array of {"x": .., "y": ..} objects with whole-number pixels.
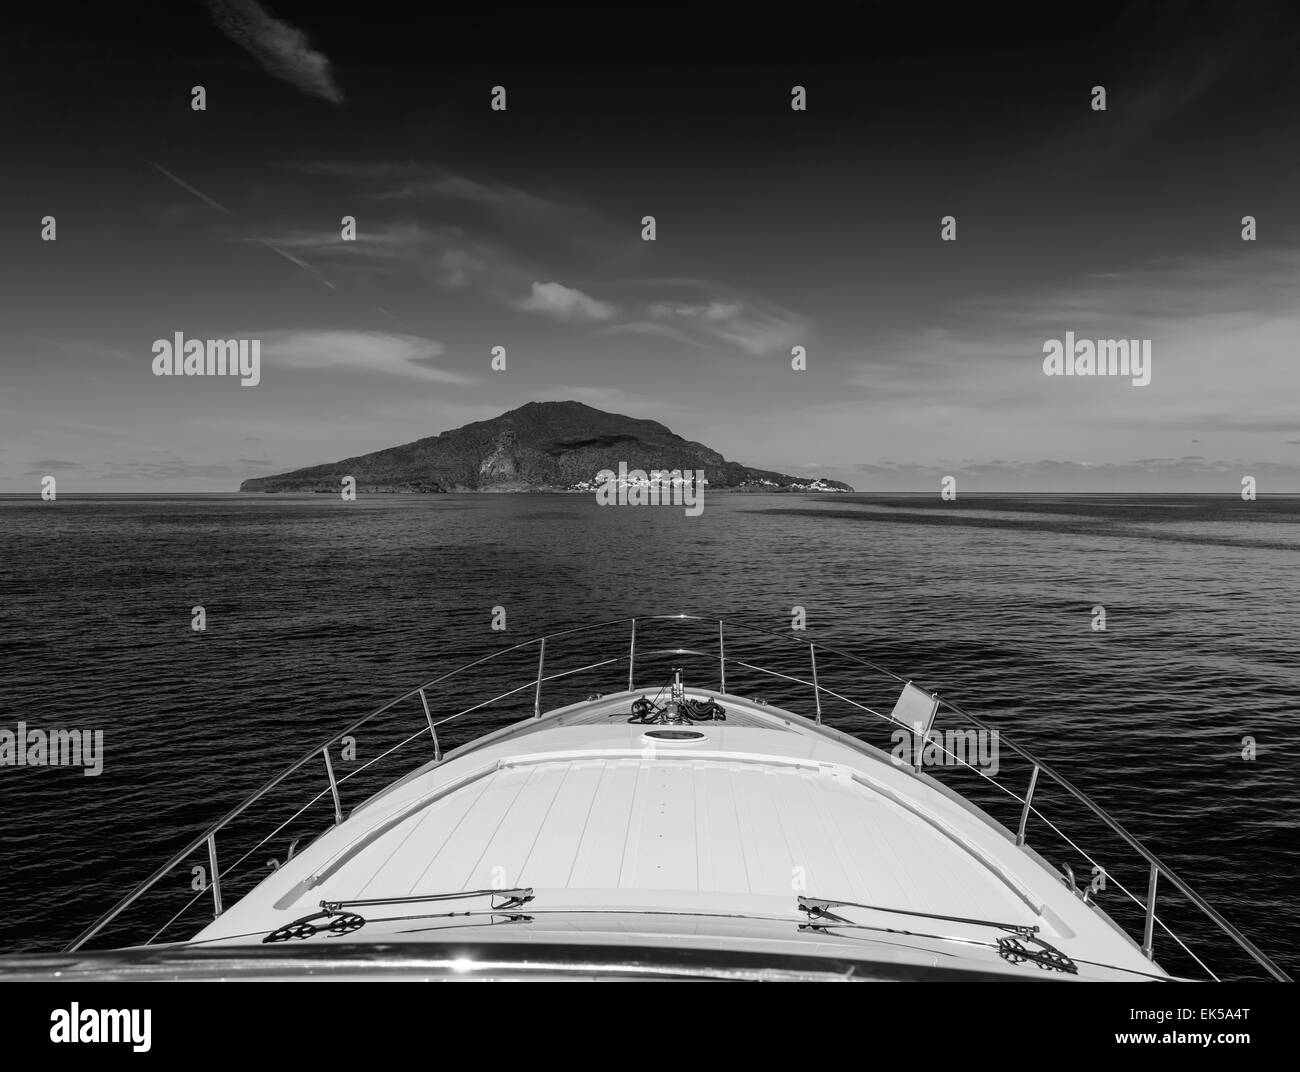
[{"x": 672, "y": 831}]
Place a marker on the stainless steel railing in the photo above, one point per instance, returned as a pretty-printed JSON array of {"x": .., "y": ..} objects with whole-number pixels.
[{"x": 1155, "y": 867}]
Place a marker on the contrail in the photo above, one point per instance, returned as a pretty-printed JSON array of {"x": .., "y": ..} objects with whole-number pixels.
[
  {"x": 301, "y": 264},
  {"x": 395, "y": 319},
  {"x": 197, "y": 193},
  {"x": 222, "y": 208},
  {"x": 287, "y": 256}
]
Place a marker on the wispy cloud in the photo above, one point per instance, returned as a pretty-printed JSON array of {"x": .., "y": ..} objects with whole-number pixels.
[
  {"x": 95, "y": 350},
  {"x": 703, "y": 313},
  {"x": 663, "y": 331},
  {"x": 435, "y": 184},
  {"x": 1222, "y": 330},
  {"x": 541, "y": 224},
  {"x": 443, "y": 255},
  {"x": 755, "y": 331},
  {"x": 44, "y": 465},
  {"x": 284, "y": 51},
  {"x": 176, "y": 469},
  {"x": 371, "y": 352},
  {"x": 1191, "y": 472},
  {"x": 564, "y": 303},
  {"x": 510, "y": 244}
]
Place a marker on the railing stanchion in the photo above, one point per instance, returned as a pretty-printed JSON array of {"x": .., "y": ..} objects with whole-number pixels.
[
  {"x": 537, "y": 698},
  {"x": 1148, "y": 935},
  {"x": 817, "y": 692},
  {"x": 433, "y": 731},
  {"x": 1024, "y": 812},
  {"x": 216, "y": 875},
  {"x": 334, "y": 786},
  {"x": 722, "y": 659},
  {"x": 631, "y": 657}
]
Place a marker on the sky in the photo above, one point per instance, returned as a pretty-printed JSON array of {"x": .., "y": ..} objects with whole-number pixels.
[{"x": 775, "y": 228}]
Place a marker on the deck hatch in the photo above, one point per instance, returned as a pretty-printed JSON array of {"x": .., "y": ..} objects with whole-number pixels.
[{"x": 674, "y": 736}]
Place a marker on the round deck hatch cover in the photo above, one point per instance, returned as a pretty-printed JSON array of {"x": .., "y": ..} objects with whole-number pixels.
[{"x": 675, "y": 736}]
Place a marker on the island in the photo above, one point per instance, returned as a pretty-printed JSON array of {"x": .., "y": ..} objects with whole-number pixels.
[{"x": 541, "y": 446}]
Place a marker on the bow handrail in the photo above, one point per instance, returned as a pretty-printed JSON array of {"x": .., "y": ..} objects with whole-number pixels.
[{"x": 1156, "y": 868}]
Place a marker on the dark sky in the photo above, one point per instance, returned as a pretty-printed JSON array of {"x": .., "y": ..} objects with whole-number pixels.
[{"x": 775, "y": 229}]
